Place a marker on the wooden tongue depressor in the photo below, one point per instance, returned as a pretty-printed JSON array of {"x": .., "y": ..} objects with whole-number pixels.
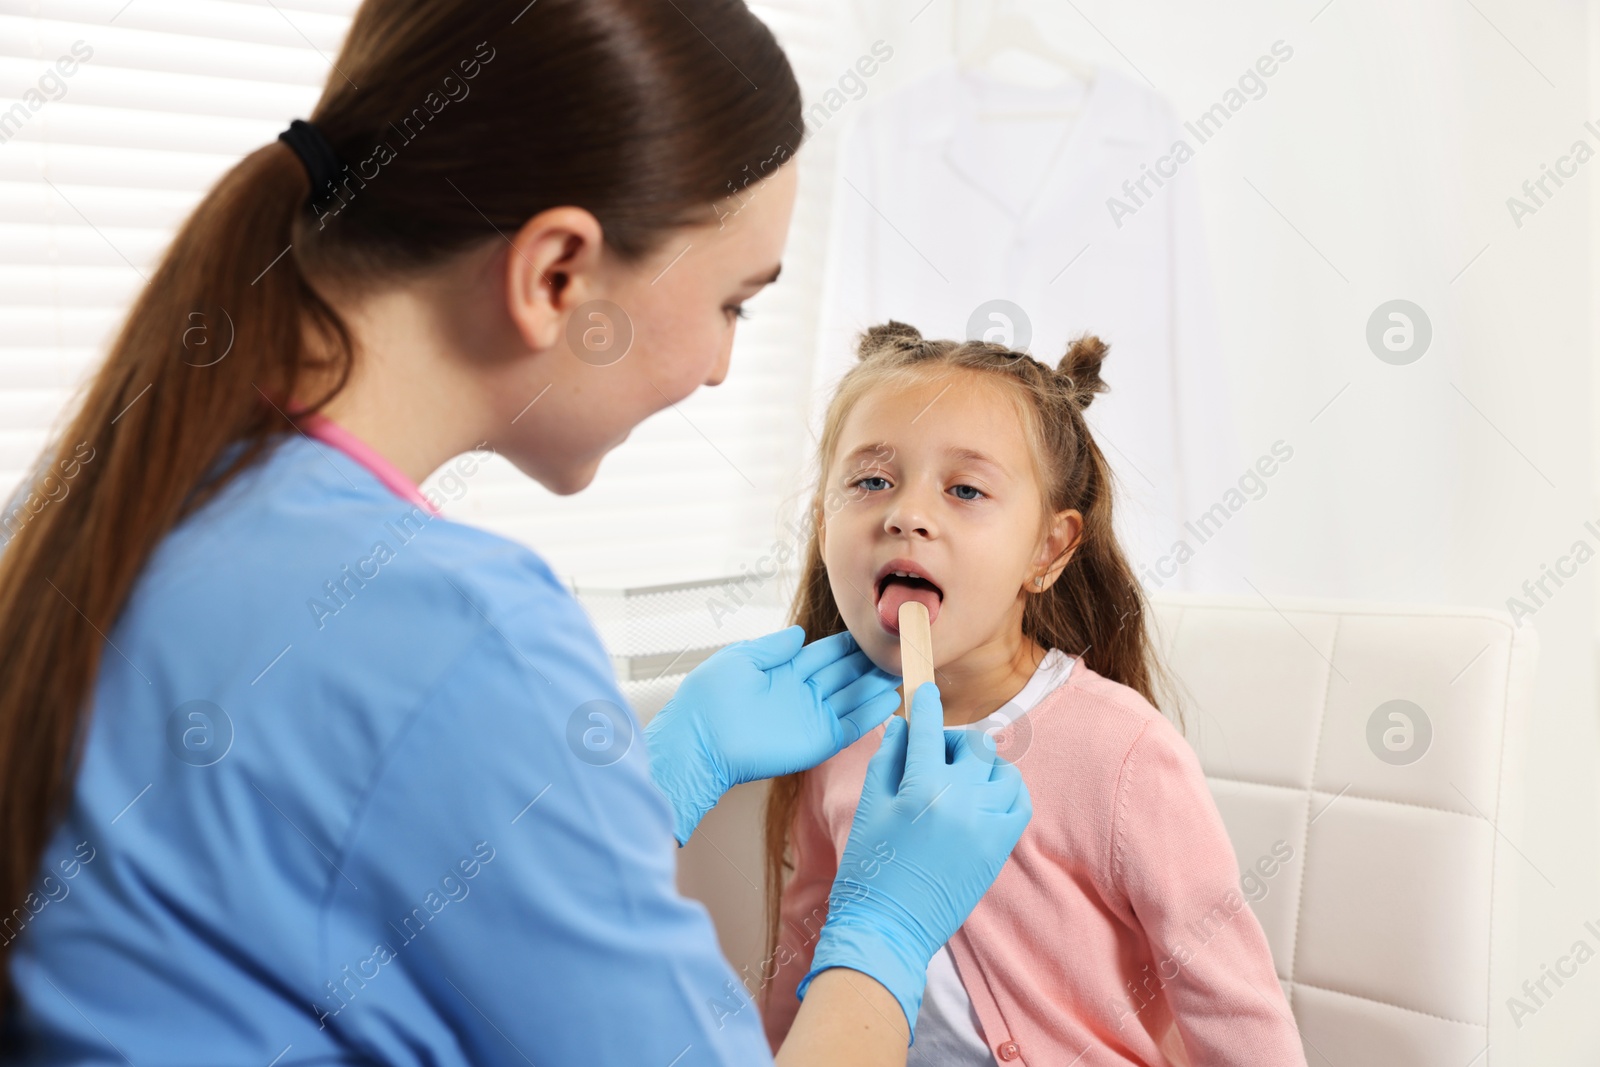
[{"x": 916, "y": 651}]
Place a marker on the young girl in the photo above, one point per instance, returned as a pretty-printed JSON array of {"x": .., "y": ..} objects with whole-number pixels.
[{"x": 963, "y": 475}]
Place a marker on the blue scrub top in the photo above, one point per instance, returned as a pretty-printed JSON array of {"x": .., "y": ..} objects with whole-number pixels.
[{"x": 359, "y": 785}]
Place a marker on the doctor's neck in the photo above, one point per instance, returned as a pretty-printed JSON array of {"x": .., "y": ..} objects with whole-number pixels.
[{"x": 411, "y": 394}]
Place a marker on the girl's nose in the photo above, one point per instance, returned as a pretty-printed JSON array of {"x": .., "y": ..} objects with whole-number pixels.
[{"x": 907, "y": 517}]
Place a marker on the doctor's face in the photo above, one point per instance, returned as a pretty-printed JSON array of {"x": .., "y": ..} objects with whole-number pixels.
[{"x": 657, "y": 330}]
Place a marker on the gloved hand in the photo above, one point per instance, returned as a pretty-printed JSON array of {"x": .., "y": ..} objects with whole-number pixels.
[
  {"x": 928, "y": 839},
  {"x": 758, "y": 709}
]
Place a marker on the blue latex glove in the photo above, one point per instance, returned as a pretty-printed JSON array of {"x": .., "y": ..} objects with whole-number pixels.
[
  {"x": 928, "y": 839},
  {"x": 758, "y": 709}
]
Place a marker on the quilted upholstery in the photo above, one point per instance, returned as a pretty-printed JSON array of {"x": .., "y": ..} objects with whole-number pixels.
[{"x": 1393, "y": 928}]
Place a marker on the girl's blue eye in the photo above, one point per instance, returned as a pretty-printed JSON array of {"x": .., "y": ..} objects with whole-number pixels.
[
  {"x": 737, "y": 311},
  {"x": 957, "y": 490},
  {"x": 862, "y": 482}
]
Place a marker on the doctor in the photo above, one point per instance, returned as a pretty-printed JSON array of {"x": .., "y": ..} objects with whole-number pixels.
[{"x": 293, "y": 770}]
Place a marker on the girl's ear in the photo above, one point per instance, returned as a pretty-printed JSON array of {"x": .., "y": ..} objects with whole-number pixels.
[{"x": 1066, "y": 529}]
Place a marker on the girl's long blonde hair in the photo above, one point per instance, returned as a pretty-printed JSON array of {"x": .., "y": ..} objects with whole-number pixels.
[{"x": 1095, "y": 610}]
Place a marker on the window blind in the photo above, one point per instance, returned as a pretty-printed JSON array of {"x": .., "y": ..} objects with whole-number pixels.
[{"x": 166, "y": 95}]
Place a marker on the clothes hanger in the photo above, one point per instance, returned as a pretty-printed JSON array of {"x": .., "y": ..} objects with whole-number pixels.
[{"x": 1010, "y": 30}]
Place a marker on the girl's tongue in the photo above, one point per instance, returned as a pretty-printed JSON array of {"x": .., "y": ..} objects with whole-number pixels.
[{"x": 898, "y": 591}]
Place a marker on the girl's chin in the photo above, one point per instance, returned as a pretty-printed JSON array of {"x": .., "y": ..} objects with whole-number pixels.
[{"x": 883, "y": 651}]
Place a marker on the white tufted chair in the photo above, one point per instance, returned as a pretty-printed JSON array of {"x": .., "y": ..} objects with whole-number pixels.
[
  {"x": 1391, "y": 923},
  {"x": 1393, "y": 927}
]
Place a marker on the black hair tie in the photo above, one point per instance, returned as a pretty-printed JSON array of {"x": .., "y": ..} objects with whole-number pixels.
[{"x": 321, "y": 161}]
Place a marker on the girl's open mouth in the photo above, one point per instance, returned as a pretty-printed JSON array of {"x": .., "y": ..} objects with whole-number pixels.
[{"x": 899, "y": 582}]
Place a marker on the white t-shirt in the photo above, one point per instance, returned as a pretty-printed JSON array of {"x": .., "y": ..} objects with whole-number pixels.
[{"x": 948, "y": 1033}]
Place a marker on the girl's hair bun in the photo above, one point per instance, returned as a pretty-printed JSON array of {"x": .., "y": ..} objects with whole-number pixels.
[
  {"x": 891, "y": 334},
  {"x": 1080, "y": 368}
]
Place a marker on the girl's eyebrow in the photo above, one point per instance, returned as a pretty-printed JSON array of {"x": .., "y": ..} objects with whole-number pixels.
[
  {"x": 973, "y": 456},
  {"x": 878, "y": 449},
  {"x": 884, "y": 452}
]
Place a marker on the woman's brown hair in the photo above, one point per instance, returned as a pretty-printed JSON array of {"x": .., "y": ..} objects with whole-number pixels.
[
  {"x": 1095, "y": 610},
  {"x": 456, "y": 122}
]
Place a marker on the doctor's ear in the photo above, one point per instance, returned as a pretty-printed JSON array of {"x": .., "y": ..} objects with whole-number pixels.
[{"x": 552, "y": 266}]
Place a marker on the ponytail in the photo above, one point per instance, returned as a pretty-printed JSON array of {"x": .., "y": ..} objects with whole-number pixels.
[{"x": 213, "y": 332}]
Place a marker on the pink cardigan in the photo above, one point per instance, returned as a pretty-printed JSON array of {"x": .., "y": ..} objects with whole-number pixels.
[{"x": 1117, "y": 923}]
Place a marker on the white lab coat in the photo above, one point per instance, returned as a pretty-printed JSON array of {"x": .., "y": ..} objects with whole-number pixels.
[{"x": 944, "y": 203}]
